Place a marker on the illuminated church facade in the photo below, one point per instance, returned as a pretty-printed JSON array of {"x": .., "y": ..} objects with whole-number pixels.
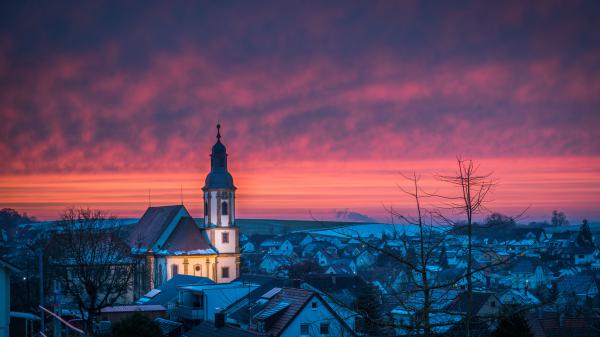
[{"x": 168, "y": 241}]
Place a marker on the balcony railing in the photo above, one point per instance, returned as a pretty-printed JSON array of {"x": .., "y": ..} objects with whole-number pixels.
[{"x": 186, "y": 312}]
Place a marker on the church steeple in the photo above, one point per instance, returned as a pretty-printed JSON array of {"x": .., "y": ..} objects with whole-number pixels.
[
  {"x": 219, "y": 154},
  {"x": 219, "y": 214},
  {"x": 219, "y": 190},
  {"x": 218, "y": 177}
]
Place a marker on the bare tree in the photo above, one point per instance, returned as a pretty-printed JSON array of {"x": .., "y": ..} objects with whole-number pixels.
[
  {"x": 421, "y": 296},
  {"x": 91, "y": 258},
  {"x": 473, "y": 191}
]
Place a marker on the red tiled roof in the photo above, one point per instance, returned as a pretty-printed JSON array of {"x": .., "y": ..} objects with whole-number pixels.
[
  {"x": 134, "y": 308},
  {"x": 186, "y": 238},
  {"x": 296, "y": 298},
  {"x": 550, "y": 324},
  {"x": 460, "y": 304},
  {"x": 152, "y": 224}
]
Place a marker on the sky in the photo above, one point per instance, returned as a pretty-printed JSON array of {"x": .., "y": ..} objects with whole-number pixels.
[{"x": 323, "y": 104}]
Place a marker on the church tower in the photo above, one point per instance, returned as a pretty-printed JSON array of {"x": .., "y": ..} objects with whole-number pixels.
[{"x": 219, "y": 213}]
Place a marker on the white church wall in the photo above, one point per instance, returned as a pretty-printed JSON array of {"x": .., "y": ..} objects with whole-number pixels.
[
  {"x": 225, "y": 247},
  {"x": 229, "y": 262}
]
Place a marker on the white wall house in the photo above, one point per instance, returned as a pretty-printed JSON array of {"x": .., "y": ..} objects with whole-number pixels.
[
  {"x": 200, "y": 302},
  {"x": 5, "y": 269}
]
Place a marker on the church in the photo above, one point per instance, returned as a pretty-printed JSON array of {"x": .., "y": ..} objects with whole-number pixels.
[{"x": 168, "y": 241}]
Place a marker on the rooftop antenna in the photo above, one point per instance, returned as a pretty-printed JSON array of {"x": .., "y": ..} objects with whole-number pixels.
[
  {"x": 149, "y": 199},
  {"x": 181, "y": 193}
]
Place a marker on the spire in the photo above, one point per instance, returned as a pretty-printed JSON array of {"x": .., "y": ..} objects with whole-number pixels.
[{"x": 219, "y": 177}]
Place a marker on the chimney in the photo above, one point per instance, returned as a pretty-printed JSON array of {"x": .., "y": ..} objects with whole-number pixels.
[
  {"x": 296, "y": 283},
  {"x": 219, "y": 319}
]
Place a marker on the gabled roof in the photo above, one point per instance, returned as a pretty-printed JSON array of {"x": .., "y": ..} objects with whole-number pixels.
[
  {"x": 287, "y": 304},
  {"x": 579, "y": 284},
  {"x": 152, "y": 225},
  {"x": 329, "y": 284},
  {"x": 460, "y": 304},
  {"x": 295, "y": 300},
  {"x": 8, "y": 265},
  {"x": 239, "y": 310},
  {"x": 187, "y": 239},
  {"x": 526, "y": 265},
  {"x": 167, "y": 291},
  {"x": 133, "y": 308},
  {"x": 167, "y": 326},
  {"x": 260, "y": 279},
  {"x": 550, "y": 324}
]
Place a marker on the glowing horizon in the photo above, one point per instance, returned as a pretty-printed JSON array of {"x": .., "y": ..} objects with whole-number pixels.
[
  {"x": 321, "y": 103},
  {"x": 301, "y": 190}
]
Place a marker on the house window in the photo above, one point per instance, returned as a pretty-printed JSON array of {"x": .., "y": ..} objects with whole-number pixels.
[
  {"x": 174, "y": 270},
  {"x": 224, "y": 209},
  {"x": 304, "y": 329},
  {"x": 324, "y": 329},
  {"x": 225, "y": 272},
  {"x": 314, "y": 305},
  {"x": 225, "y": 237}
]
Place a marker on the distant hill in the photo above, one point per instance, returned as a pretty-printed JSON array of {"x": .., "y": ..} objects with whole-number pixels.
[{"x": 280, "y": 227}]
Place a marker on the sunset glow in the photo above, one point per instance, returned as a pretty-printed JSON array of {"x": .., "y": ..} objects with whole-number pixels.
[
  {"x": 322, "y": 106},
  {"x": 313, "y": 189}
]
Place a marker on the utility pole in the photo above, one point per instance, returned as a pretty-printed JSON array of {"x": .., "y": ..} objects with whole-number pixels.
[
  {"x": 41, "y": 267},
  {"x": 57, "y": 309}
]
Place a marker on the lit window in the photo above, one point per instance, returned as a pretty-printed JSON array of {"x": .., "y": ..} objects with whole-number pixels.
[
  {"x": 304, "y": 329},
  {"x": 324, "y": 329},
  {"x": 225, "y": 237},
  {"x": 225, "y": 272},
  {"x": 224, "y": 209}
]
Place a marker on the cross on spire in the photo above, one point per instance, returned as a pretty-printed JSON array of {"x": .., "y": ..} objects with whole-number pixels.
[{"x": 219, "y": 131}]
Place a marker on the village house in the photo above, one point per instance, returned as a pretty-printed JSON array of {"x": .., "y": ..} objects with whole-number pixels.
[
  {"x": 285, "y": 312},
  {"x": 167, "y": 241}
]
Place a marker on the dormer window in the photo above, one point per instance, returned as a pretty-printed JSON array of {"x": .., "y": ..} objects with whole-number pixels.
[{"x": 224, "y": 208}]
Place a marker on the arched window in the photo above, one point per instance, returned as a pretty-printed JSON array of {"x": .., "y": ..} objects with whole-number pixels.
[
  {"x": 205, "y": 209},
  {"x": 197, "y": 270},
  {"x": 224, "y": 209},
  {"x": 174, "y": 270}
]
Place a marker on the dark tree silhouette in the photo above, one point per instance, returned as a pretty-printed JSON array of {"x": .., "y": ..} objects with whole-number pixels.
[
  {"x": 368, "y": 306},
  {"x": 559, "y": 218},
  {"x": 513, "y": 326},
  {"x": 91, "y": 259},
  {"x": 584, "y": 238},
  {"x": 136, "y": 325}
]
